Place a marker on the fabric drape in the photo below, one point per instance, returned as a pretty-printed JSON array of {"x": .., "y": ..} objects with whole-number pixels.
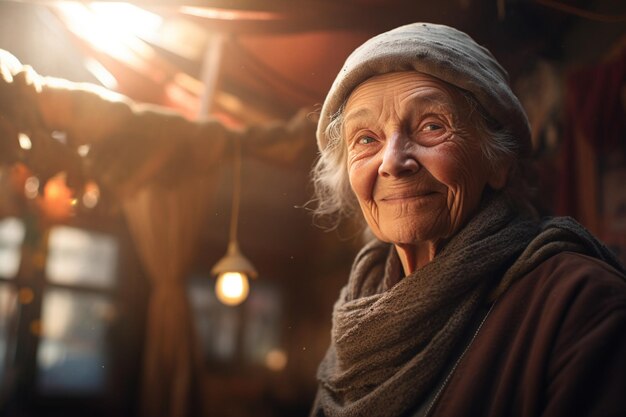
[
  {"x": 165, "y": 224},
  {"x": 594, "y": 126}
]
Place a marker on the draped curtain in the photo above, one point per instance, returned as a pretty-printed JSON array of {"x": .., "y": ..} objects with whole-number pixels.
[
  {"x": 594, "y": 126},
  {"x": 165, "y": 223}
]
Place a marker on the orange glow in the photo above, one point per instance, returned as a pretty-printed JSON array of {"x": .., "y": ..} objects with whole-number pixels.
[
  {"x": 276, "y": 360},
  {"x": 58, "y": 202},
  {"x": 230, "y": 14},
  {"x": 183, "y": 100},
  {"x": 26, "y": 295}
]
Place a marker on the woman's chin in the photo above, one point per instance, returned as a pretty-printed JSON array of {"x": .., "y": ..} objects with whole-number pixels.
[{"x": 403, "y": 235}]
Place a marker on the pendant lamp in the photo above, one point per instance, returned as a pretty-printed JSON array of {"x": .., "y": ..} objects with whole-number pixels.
[{"x": 234, "y": 269}]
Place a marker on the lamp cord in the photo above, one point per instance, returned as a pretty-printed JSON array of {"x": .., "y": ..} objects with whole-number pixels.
[{"x": 234, "y": 215}]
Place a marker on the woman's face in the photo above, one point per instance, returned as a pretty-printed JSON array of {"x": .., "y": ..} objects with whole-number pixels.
[{"x": 415, "y": 166}]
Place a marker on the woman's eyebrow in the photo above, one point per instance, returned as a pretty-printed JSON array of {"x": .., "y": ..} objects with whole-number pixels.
[
  {"x": 361, "y": 112},
  {"x": 429, "y": 101},
  {"x": 355, "y": 117}
]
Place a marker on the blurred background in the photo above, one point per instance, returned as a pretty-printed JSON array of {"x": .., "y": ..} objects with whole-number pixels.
[{"x": 88, "y": 324}]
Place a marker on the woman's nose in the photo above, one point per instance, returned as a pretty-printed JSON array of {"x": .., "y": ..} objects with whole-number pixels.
[{"x": 398, "y": 158}]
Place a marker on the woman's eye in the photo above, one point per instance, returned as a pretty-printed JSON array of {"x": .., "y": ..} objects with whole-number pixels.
[
  {"x": 365, "y": 140},
  {"x": 432, "y": 133},
  {"x": 430, "y": 127}
]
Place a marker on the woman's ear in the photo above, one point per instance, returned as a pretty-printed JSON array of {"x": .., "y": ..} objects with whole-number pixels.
[{"x": 499, "y": 175}]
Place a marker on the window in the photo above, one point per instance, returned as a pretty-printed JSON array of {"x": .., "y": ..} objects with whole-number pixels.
[
  {"x": 75, "y": 317},
  {"x": 72, "y": 354},
  {"x": 62, "y": 347},
  {"x": 11, "y": 238},
  {"x": 8, "y": 304},
  {"x": 261, "y": 335},
  {"x": 236, "y": 336},
  {"x": 80, "y": 257}
]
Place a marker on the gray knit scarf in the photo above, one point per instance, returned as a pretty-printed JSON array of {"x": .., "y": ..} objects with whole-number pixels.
[{"x": 392, "y": 337}]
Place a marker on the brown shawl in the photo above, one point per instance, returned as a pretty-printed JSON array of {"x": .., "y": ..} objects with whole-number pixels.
[{"x": 392, "y": 338}]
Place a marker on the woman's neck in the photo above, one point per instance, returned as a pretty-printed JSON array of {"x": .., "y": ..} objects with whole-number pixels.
[{"x": 415, "y": 256}]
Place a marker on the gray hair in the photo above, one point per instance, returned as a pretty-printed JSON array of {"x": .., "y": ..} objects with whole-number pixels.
[{"x": 335, "y": 200}]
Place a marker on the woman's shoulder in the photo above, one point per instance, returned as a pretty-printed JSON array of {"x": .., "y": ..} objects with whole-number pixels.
[
  {"x": 566, "y": 298},
  {"x": 570, "y": 271},
  {"x": 569, "y": 287},
  {"x": 585, "y": 261},
  {"x": 557, "y": 331},
  {"x": 579, "y": 334}
]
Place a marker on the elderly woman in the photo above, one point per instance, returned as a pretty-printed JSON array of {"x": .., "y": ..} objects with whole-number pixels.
[{"x": 465, "y": 303}]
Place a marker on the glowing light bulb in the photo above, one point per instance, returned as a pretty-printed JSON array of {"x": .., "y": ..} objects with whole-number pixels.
[{"x": 232, "y": 288}]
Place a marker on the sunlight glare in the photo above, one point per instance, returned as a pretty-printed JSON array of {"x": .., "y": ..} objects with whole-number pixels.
[
  {"x": 101, "y": 73},
  {"x": 114, "y": 28},
  {"x": 130, "y": 18}
]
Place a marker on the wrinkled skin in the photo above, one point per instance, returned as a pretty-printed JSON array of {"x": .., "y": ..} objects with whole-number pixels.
[{"x": 414, "y": 162}]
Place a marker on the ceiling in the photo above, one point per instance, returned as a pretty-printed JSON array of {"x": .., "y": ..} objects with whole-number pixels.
[{"x": 267, "y": 58}]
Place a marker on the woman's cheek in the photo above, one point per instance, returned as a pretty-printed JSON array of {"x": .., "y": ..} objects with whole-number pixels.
[
  {"x": 363, "y": 182},
  {"x": 453, "y": 165}
]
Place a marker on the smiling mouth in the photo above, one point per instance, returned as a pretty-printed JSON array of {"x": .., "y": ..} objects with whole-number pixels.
[{"x": 399, "y": 198}]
